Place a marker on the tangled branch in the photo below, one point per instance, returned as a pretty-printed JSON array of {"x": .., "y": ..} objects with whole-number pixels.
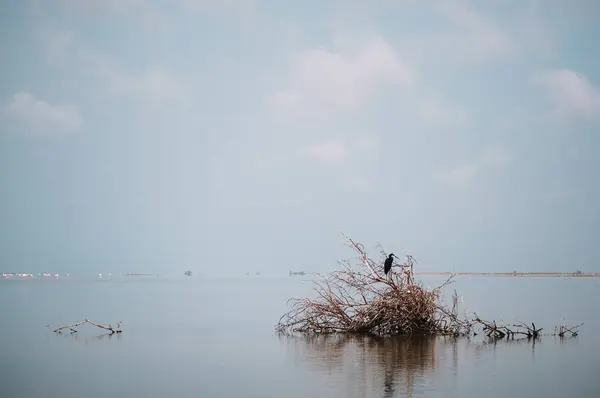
[{"x": 362, "y": 299}]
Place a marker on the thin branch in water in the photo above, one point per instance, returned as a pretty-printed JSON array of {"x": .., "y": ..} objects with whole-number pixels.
[{"x": 105, "y": 327}]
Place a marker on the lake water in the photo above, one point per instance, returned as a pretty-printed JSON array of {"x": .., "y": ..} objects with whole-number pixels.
[{"x": 188, "y": 337}]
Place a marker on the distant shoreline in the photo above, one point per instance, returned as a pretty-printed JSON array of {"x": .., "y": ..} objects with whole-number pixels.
[
  {"x": 140, "y": 274},
  {"x": 523, "y": 274}
]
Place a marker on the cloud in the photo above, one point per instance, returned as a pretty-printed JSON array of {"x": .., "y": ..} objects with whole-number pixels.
[
  {"x": 437, "y": 112},
  {"x": 323, "y": 81},
  {"x": 106, "y": 5},
  {"x": 35, "y": 116},
  {"x": 466, "y": 32},
  {"x": 339, "y": 151},
  {"x": 347, "y": 156},
  {"x": 571, "y": 94},
  {"x": 219, "y": 4},
  {"x": 464, "y": 175},
  {"x": 464, "y": 35},
  {"x": 334, "y": 152},
  {"x": 152, "y": 86},
  {"x": 479, "y": 35},
  {"x": 245, "y": 14},
  {"x": 155, "y": 16}
]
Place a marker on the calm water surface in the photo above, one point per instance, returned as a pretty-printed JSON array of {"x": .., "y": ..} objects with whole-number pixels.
[{"x": 189, "y": 337}]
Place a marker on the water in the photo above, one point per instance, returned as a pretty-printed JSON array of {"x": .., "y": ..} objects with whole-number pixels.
[{"x": 188, "y": 337}]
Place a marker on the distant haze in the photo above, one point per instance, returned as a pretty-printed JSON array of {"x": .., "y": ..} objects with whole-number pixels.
[{"x": 234, "y": 137}]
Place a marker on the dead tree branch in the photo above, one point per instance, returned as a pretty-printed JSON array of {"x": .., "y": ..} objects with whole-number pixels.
[
  {"x": 105, "y": 327},
  {"x": 562, "y": 330}
]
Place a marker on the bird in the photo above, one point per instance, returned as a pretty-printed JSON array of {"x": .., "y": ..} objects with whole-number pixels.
[{"x": 387, "y": 266}]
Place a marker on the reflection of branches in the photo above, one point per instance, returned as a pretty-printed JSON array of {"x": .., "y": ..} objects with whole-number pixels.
[
  {"x": 390, "y": 362},
  {"x": 89, "y": 339},
  {"x": 562, "y": 339},
  {"x": 368, "y": 365},
  {"x": 493, "y": 342}
]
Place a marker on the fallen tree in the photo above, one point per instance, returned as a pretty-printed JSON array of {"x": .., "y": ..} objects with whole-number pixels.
[{"x": 360, "y": 298}]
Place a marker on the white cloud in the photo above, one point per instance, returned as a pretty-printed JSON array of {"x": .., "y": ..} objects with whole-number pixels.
[
  {"x": 153, "y": 86},
  {"x": 464, "y": 175},
  {"x": 35, "y": 116},
  {"x": 214, "y": 4},
  {"x": 154, "y": 16},
  {"x": 442, "y": 113},
  {"x": 472, "y": 32},
  {"x": 571, "y": 94},
  {"x": 245, "y": 14},
  {"x": 340, "y": 151},
  {"x": 479, "y": 34},
  {"x": 347, "y": 156},
  {"x": 323, "y": 81},
  {"x": 472, "y": 37},
  {"x": 106, "y": 5},
  {"x": 334, "y": 152}
]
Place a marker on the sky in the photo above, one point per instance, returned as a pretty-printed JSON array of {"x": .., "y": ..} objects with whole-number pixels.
[{"x": 233, "y": 136}]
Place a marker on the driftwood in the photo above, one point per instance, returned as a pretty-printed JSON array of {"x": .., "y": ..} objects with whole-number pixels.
[
  {"x": 360, "y": 298},
  {"x": 108, "y": 327},
  {"x": 562, "y": 330},
  {"x": 491, "y": 329},
  {"x": 500, "y": 331}
]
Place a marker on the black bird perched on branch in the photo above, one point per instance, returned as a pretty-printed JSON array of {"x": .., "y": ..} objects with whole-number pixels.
[{"x": 387, "y": 266}]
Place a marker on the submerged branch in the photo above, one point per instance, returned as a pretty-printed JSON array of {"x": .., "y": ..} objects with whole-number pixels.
[{"x": 109, "y": 327}]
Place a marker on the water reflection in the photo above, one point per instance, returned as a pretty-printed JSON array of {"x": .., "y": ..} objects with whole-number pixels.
[
  {"x": 488, "y": 344},
  {"x": 366, "y": 365},
  {"x": 88, "y": 339}
]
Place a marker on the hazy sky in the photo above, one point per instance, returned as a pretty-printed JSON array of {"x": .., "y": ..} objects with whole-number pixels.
[{"x": 226, "y": 136}]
